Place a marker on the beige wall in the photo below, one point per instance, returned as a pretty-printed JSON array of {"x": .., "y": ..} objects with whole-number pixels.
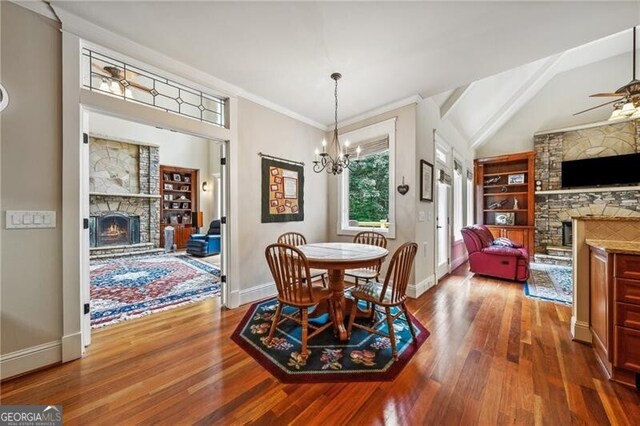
[
  {"x": 31, "y": 276},
  {"x": 406, "y": 164},
  {"x": 263, "y": 130}
]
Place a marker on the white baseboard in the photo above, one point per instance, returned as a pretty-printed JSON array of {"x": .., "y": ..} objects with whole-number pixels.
[
  {"x": 258, "y": 292},
  {"x": 459, "y": 261},
  {"x": 29, "y": 359},
  {"x": 416, "y": 290},
  {"x": 72, "y": 347},
  {"x": 580, "y": 331}
]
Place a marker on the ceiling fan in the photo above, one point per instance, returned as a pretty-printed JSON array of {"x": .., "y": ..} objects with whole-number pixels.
[
  {"x": 627, "y": 103},
  {"x": 116, "y": 80}
]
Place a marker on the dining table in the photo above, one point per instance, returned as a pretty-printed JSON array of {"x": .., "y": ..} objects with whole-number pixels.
[{"x": 336, "y": 258}]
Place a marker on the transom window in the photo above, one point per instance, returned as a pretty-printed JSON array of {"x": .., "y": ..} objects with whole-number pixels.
[
  {"x": 113, "y": 77},
  {"x": 367, "y": 196}
]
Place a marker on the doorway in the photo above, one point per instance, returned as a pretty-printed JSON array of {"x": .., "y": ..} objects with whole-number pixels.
[
  {"x": 154, "y": 202},
  {"x": 443, "y": 226}
]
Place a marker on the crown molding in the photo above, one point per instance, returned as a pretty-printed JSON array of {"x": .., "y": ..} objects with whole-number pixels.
[
  {"x": 378, "y": 111},
  {"x": 39, "y": 7}
]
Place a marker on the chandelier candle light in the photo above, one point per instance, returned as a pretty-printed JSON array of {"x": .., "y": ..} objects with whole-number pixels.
[{"x": 339, "y": 161}]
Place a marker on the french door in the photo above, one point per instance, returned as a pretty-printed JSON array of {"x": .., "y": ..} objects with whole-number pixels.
[{"x": 443, "y": 228}]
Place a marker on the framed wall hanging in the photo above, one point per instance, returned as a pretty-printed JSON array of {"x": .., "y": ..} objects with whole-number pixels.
[
  {"x": 426, "y": 181},
  {"x": 282, "y": 191}
]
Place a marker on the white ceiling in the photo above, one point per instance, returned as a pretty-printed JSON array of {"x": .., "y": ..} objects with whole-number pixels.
[{"x": 284, "y": 52}]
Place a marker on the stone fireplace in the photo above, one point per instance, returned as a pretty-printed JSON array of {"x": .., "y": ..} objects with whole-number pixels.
[
  {"x": 554, "y": 206},
  {"x": 124, "y": 201}
]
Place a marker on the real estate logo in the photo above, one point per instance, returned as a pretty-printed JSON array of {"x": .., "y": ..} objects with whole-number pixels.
[{"x": 30, "y": 415}]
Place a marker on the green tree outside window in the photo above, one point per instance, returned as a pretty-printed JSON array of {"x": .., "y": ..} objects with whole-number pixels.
[{"x": 369, "y": 189}]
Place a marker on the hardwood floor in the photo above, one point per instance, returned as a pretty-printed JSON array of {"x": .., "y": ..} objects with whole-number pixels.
[{"x": 493, "y": 357}]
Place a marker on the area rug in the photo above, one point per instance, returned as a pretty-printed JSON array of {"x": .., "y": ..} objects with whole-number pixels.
[
  {"x": 365, "y": 357},
  {"x": 551, "y": 283},
  {"x": 131, "y": 287}
]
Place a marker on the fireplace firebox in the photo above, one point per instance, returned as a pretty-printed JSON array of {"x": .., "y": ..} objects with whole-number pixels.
[{"x": 114, "y": 229}]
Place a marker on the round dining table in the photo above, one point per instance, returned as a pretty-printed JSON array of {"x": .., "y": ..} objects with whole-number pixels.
[{"x": 336, "y": 258}]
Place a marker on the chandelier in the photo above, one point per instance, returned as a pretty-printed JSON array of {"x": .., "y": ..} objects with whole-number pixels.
[{"x": 333, "y": 159}]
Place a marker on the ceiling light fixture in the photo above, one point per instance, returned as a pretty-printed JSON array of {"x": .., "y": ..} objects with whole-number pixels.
[
  {"x": 339, "y": 161},
  {"x": 4, "y": 98}
]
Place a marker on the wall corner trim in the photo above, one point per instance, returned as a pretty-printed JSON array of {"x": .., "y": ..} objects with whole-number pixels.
[
  {"x": 416, "y": 290},
  {"x": 580, "y": 331},
  {"x": 25, "y": 360},
  {"x": 258, "y": 292},
  {"x": 72, "y": 346}
]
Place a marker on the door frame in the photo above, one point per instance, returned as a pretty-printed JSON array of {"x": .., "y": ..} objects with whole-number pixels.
[{"x": 75, "y": 195}]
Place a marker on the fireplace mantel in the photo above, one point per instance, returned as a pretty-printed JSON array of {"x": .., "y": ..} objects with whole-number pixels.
[
  {"x": 583, "y": 190},
  {"x": 123, "y": 195}
]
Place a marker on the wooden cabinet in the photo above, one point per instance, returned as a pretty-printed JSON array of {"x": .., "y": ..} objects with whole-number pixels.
[
  {"x": 179, "y": 204},
  {"x": 615, "y": 313},
  {"x": 505, "y": 196}
]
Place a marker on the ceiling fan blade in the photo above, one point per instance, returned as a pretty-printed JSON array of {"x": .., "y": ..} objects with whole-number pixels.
[
  {"x": 596, "y": 107},
  {"x": 605, "y": 95},
  {"x": 139, "y": 86}
]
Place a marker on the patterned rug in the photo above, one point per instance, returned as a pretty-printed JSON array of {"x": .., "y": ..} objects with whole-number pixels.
[
  {"x": 550, "y": 282},
  {"x": 365, "y": 357},
  {"x": 131, "y": 287}
]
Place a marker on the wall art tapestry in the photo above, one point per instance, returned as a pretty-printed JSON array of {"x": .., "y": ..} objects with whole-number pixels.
[{"x": 282, "y": 191}]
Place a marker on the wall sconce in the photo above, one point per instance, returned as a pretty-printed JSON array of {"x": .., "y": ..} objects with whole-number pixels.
[
  {"x": 4, "y": 98},
  {"x": 204, "y": 186}
]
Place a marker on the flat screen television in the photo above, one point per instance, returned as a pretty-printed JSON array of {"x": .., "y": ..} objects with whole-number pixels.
[{"x": 603, "y": 171}]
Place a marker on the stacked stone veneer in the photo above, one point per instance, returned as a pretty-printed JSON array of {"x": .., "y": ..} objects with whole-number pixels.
[
  {"x": 131, "y": 173},
  {"x": 554, "y": 148}
]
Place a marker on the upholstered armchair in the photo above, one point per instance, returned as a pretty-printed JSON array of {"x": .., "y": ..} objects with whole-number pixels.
[
  {"x": 205, "y": 244},
  {"x": 500, "y": 258}
]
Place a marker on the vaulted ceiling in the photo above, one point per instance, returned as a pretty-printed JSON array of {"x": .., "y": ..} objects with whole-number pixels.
[{"x": 284, "y": 52}]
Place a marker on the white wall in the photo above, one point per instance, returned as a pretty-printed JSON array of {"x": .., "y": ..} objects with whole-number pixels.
[
  {"x": 263, "y": 130},
  {"x": 176, "y": 149},
  {"x": 31, "y": 169},
  {"x": 553, "y": 107}
]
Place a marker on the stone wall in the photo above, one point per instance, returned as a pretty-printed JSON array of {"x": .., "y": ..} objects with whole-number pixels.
[
  {"x": 121, "y": 168},
  {"x": 553, "y": 148}
]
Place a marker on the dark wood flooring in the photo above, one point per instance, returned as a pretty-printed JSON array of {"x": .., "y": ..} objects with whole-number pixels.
[{"x": 493, "y": 357}]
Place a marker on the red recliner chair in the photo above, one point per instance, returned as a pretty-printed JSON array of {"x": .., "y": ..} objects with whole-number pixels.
[{"x": 506, "y": 260}]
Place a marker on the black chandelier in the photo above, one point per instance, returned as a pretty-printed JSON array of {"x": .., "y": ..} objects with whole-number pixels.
[{"x": 340, "y": 160}]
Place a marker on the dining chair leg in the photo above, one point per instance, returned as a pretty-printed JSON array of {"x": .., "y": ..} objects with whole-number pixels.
[
  {"x": 324, "y": 282},
  {"x": 409, "y": 322},
  {"x": 392, "y": 333},
  {"x": 276, "y": 319},
  {"x": 304, "y": 313},
  {"x": 332, "y": 315},
  {"x": 352, "y": 316}
]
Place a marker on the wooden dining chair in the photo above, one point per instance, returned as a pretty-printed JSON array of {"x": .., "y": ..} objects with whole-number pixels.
[
  {"x": 297, "y": 239},
  {"x": 372, "y": 272},
  {"x": 290, "y": 267},
  {"x": 388, "y": 295}
]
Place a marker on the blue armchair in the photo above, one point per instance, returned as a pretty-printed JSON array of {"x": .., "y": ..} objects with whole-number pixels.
[{"x": 205, "y": 244}]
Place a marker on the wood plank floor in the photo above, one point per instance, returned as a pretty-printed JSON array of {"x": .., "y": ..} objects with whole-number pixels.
[{"x": 494, "y": 357}]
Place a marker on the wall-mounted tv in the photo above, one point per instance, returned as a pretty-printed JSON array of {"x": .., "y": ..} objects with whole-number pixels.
[{"x": 604, "y": 171}]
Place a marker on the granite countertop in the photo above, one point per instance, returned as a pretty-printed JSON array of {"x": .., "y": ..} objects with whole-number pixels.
[
  {"x": 609, "y": 218},
  {"x": 611, "y": 246}
]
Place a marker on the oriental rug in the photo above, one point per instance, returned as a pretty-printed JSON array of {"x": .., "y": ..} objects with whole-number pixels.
[
  {"x": 365, "y": 357},
  {"x": 552, "y": 283},
  {"x": 131, "y": 287}
]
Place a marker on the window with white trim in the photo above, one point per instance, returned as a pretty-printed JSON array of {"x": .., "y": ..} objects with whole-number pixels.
[
  {"x": 367, "y": 196},
  {"x": 470, "y": 218},
  {"x": 458, "y": 197}
]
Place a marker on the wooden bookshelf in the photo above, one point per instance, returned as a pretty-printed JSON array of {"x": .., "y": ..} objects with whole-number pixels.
[
  {"x": 505, "y": 196},
  {"x": 179, "y": 202}
]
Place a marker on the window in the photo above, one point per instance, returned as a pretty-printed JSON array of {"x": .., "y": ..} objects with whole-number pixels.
[
  {"x": 458, "y": 209},
  {"x": 366, "y": 192},
  {"x": 470, "y": 218}
]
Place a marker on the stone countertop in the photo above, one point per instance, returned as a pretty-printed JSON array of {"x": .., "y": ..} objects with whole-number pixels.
[
  {"x": 611, "y": 246},
  {"x": 608, "y": 218}
]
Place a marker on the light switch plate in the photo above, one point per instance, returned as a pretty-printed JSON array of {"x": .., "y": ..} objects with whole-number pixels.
[
  {"x": 422, "y": 216},
  {"x": 26, "y": 219}
]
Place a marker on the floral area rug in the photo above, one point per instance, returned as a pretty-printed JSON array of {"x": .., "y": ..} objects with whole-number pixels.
[
  {"x": 365, "y": 357},
  {"x": 550, "y": 282},
  {"x": 131, "y": 287}
]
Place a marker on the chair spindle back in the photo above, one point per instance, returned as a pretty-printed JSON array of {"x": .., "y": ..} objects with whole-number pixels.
[
  {"x": 399, "y": 272},
  {"x": 290, "y": 267},
  {"x": 292, "y": 239}
]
